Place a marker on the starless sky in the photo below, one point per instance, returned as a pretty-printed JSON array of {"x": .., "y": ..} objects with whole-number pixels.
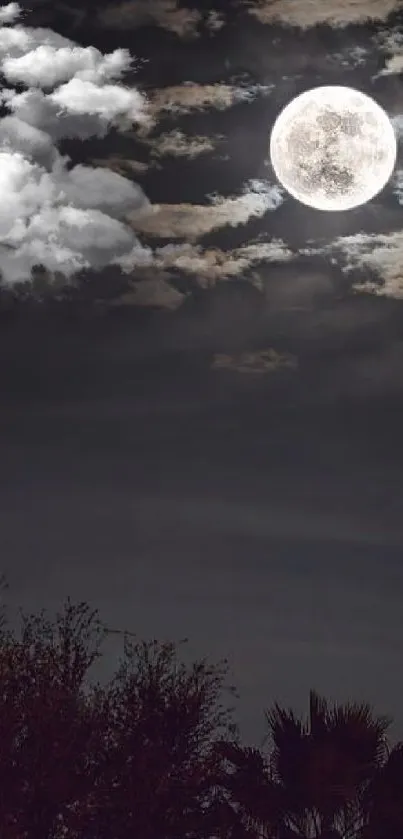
[{"x": 201, "y": 398}]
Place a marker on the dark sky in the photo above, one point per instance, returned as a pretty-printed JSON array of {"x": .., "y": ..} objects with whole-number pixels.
[
  {"x": 259, "y": 515},
  {"x": 262, "y": 520}
]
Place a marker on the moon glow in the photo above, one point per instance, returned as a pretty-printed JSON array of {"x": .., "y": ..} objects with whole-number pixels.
[{"x": 333, "y": 148}]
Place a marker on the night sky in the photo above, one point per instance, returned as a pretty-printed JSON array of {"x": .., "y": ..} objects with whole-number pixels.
[{"x": 211, "y": 445}]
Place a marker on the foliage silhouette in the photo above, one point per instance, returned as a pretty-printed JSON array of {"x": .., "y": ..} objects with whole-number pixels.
[
  {"x": 133, "y": 757},
  {"x": 155, "y": 754},
  {"x": 320, "y": 778}
]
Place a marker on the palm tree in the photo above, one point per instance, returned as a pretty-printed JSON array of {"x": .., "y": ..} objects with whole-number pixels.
[
  {"x": 384, "y": 799},
  {"x": 313, "y": 784}
]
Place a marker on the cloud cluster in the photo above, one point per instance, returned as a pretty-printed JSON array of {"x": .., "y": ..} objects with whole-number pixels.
[{"x": 63, "y": 219}]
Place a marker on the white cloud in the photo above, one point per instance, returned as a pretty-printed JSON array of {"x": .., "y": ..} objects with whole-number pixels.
[
  {"x": 109, "y": 102},
  {"x": 47, "y": 65},
  {"x": 9, "y": 13},
  {"x": 51, "y": 216}
]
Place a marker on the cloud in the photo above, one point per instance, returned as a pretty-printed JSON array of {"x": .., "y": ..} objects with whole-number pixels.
[
  {"x": 46, "y": 66},
  {"x": 122, "y": 165},
  {"x": 215, "y": 21},
  {"x": 256, "y": 363},
  {"x": 166, "y": 14},
  {"x": 391, "y": 42},
  {"x": 163, "y": 13},
  {"x": 210, "y": 265},
  {"x": 379, "y": 256},
  {"x": 305, "y": 13},
  {"x": 191, "y": 221},
  {"x": 51, "y": 216},
  {"x": 397, "y": 122},
  {"x": 151, "y": 291},
  {"x": 177, "y": 144},
  {"x": 9, "y": 13},
  {"x": 190, "y": 96},
  {"x": 394, "y": 66}
]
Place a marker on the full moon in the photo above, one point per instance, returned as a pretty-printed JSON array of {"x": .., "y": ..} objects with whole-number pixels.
[{"x": 333, "y": 148}]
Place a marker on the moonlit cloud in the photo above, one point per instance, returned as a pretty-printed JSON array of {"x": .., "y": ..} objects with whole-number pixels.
[
  {"x": 210, "y": 265},
  {"x": 255, "y": 363},
  {"x": 191, "y": 221},
  {"x": 166, "y": 14},
  {"x": 177, "y": 144},
  {"x": 379, "y": 253},
  {"x": 398, "y": 185},
  {"x": 163, "y": 13},
  {"x": 393, "y": 66},
  {"x": 305, "y": 13},
  {"x": 63, "y": 220},
  {"x": 152, "y": 291},
  {"x": 397, "y": 122},
  {"x": 190, "y": 96},
  {"x": 391, "y": 43},
  {"x": 215, "y": 21}
]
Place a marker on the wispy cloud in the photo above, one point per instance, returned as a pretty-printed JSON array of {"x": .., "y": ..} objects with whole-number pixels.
[
  {"x": 210, "y": 265},
  {"x": 165, "y": 14},
  {"x": 177, "y": 144},
  {"x": 305, "y": 13},
  {"x": 192, "y": 221},
  {"x": 391, "y": 43},
  {"x": 190, "y": 96},
  {"x": 122, "y": 165},
  {"x": 215, "y": 21},
  {"x": 258, "y": 362},
  {"x": 151, "y": 291},
  {"x": 379, "y": 256}
]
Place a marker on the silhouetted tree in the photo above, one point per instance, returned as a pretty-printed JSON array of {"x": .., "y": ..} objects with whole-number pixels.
[
  {"x": 132, "y": 758},
  {"x": 154, "y": 753},
  {"x": 316, "y": 775},
  {"x": 384, "y": 799},
  {"x": 160, "y": 770},
  {"x": 48, "y": 725}
]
